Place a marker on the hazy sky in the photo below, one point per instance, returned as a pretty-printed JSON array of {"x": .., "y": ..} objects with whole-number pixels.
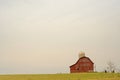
[{"x": 45, "y": 36}]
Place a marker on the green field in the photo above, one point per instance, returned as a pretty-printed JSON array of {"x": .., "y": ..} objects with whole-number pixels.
[{"x": 81, "y": 76}]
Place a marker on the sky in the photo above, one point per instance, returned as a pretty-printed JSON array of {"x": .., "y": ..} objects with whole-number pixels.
[{"x": 46, "y": 36}]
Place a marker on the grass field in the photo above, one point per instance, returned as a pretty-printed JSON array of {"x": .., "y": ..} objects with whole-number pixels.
[{"x": 81, "y": 76}]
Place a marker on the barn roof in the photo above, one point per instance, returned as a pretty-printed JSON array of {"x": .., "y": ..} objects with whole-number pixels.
[{"x": 82, "y": 58}]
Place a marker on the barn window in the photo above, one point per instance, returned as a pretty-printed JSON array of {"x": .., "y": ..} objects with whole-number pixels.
[
  {"x": 85, "y": 60},
  {"x": 87, "y": 64},
  {"x": 84, "y": 64}
]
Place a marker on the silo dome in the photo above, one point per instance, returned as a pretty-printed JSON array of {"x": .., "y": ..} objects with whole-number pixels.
[{"x": 81, "y": 54}]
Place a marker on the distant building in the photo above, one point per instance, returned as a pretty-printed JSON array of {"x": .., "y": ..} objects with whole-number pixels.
[{"x": 84, "y": 64}]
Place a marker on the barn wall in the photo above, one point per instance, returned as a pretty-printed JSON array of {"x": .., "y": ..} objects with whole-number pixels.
[{"x": 83, "y": 65}]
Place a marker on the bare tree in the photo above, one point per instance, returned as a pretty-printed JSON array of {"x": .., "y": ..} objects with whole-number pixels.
[{"x": 111, "y": 66}]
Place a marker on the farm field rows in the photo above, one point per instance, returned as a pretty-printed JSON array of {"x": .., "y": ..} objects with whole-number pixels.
[{"x": 77, "y": 76}]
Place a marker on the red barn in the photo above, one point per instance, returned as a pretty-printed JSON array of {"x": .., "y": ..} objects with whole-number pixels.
[{"x": 84, "y": 64}]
